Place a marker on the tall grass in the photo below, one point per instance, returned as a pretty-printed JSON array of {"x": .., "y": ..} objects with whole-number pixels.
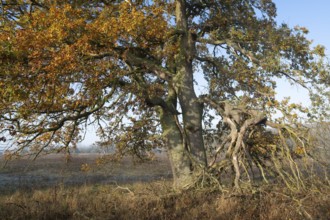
[{"x": 156, "y": 200}]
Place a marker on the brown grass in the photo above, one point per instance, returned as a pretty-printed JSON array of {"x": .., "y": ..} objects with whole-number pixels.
[{"x": 153, "y": 199}]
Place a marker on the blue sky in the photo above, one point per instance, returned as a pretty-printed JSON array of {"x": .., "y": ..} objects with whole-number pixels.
[
  {"x": 315, "y": 16},
  {"x": 312, "y": 14}
]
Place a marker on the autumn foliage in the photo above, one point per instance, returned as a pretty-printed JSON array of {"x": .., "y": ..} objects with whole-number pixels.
[{"x": 130, "y": 68}]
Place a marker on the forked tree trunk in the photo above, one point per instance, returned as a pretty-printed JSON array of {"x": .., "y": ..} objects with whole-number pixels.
[
  {"x": 176, "y": 144},
  {"x": 185, "y": 144},
  {"x": 177, "y": 152},
  {"x": 191, "y": 108}
]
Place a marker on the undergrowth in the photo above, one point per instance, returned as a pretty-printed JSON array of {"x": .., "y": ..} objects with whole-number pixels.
[{"x": 156, "y": 200}]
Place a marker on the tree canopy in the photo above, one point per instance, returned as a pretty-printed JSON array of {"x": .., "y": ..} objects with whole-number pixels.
[{"x": 131, "y": 69}]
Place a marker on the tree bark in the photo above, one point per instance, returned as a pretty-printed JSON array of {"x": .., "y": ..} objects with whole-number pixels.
[
  {"x": 175, "y": 142},
  {"x": 192, "y": 110},
  {"x": 185, "y": 143}
]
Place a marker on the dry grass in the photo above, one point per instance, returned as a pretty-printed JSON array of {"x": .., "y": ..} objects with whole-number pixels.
[
  {"x": 142, "y": 199},
  {"x": 155, "y": 200}
]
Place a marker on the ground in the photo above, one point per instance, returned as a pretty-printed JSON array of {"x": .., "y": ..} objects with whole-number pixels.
[
  {"x": 51, "y": 170},
  {"x": 50, "y": 188}
]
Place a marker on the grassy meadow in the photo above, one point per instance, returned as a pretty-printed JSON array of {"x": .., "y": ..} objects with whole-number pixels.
[{"x": 51, "y": 188}]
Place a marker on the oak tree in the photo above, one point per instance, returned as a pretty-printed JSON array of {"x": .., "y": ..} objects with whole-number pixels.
[{"x": 132, "y": 68}]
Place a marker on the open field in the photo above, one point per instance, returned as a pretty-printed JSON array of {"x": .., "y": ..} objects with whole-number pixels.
[
  {"x": 52, "y": 170},
  {"x": 50, "y": 188}
]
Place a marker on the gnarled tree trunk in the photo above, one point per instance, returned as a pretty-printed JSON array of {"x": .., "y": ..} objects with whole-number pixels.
[
  {"x": 185, "y": 144},
  {"x": 176, "y": 144},
  {"x": 192, "y": 110},
  {"x": 177, "y": 151}
]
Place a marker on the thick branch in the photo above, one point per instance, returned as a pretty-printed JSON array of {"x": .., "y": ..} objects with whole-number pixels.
[{"x": 157, "y": 101}]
